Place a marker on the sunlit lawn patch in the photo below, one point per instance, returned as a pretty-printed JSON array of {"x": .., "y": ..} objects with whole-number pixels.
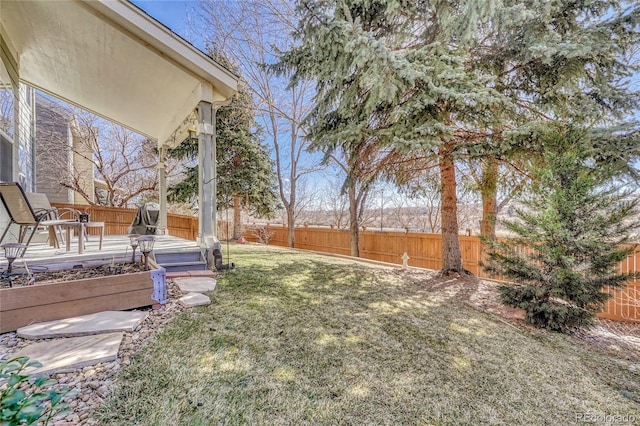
[{"x": 296, "y": 338}]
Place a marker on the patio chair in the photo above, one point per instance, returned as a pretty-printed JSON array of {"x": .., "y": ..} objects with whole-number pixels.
[
  {"x": 41, "y": 206},
  {"x": 21, "y": 213}
]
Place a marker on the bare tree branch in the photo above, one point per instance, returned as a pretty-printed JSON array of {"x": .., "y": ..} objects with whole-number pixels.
[{"x": 251, "y": 33}]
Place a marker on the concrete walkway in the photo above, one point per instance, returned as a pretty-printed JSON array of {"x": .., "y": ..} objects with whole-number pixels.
[
  {"x": 78, "y": 341},
  {"x": 72, "y": 353},
  {"x": 194, "y": 287},
  {"x": 192, "y": 300},
  {"x": 195, "y": 284}
]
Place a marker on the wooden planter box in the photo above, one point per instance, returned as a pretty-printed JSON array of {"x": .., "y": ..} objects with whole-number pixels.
[{"x": 22, "y": 306}]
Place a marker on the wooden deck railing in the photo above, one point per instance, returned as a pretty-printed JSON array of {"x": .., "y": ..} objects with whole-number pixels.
[{"x": 424, "y": 251}]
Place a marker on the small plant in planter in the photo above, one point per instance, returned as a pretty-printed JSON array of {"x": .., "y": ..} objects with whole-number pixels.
[{"x": 24, "y": 407}]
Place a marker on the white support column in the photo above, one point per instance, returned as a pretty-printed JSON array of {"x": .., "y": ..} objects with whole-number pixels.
[
  {"x": 206, "y": 175},
  {"x": 162, "y": 186},
  {"x": 214, "y": 173},
  {"x": 214, "y": 163}
]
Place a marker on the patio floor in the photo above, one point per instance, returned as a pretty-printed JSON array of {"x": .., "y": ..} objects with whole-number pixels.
[{"x": 113, "y": 246}]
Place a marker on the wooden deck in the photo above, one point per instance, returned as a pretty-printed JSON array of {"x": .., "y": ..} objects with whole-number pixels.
[{"x": 113, "y": 246}]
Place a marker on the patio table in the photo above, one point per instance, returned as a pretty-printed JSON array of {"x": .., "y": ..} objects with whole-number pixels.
[
  {"x": 53, "y": 232},
  {"x": 81, "y": 230}
]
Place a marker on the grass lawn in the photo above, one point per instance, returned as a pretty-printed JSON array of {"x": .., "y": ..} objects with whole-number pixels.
[{"x": 295, "y": 338}]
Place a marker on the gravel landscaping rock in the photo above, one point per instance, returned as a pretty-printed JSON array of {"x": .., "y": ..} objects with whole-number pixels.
[{"x": 90, "y": 385}]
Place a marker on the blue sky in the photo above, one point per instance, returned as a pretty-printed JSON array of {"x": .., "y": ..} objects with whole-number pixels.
[{"x": 175, "y": 14}]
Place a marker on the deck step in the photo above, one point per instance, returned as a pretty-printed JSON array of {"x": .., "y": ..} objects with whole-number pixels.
[
  {"x": 184, "y": 266},
  {"x": 181, "y": 256},
  {"x": 181, "y": 261}
]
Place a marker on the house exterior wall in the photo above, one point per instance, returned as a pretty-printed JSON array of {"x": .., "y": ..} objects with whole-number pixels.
[
  {"x": 17, "y": 130},
  {"x": 83, "y": 168},
  {"x": 53, "y": 151},
  {"x": 63, "y": 155},
  {"x": 18, "y": 149}
]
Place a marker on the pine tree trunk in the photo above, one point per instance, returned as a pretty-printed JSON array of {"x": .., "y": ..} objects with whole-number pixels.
[
  {"x": 451, "y": 257},
  {"x": 354, "y": 232},
  {"x": 489, "y": 190},
  {"x": 237, "y": 217}
]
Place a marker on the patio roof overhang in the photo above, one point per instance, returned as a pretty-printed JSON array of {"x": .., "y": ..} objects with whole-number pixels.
[{"x": 113, "y": 59}]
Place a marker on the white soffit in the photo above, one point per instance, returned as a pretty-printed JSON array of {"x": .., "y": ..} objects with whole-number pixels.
[{"x": 111, "y": 58}]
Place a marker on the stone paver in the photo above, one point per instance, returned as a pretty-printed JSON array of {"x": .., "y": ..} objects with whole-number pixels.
[
  {"x": 194, "y": 299},
  {"x": 195, "y": 284},
  {"x": 179, "y": 274},
  {"x": 99, "y": 323},
  {"x": 72, "y": 353}
]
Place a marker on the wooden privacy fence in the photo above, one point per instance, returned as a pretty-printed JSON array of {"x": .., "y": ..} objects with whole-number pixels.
[
  {"x": 117, "y": 220},
  {"x": 424, "y": 251}
]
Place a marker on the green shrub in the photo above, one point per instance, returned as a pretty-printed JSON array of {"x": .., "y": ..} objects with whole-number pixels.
[{"x": 20, "y": 407}]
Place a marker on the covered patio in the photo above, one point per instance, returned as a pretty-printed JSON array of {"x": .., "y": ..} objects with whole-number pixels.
[{"x": 112, "y": 59}]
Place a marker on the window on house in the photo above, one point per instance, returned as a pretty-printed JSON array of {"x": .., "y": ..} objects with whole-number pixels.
[
  {"x": 6, "y": 111},
  {"x": 6, "y": 133}
]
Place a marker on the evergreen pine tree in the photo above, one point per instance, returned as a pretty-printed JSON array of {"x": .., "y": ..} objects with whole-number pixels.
[
  {"x": 244, "y": 169},
  {"x": 244, "y": 166},
  {"x": 567, "y": 60},
  {"x": 393, "y": 72},
  {"x": 570, "y": 235}
]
